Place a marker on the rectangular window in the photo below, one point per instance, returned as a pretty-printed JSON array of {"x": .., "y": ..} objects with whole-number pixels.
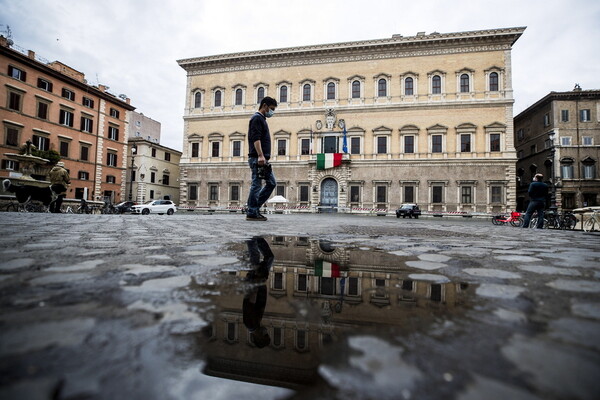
[
  {"x": 585, "y": 115},
  {"x": 352, "y": 286},
  {"x": 520, "y": 134},
  {"x": 354, "y": 194},
  {"x": 409, "y": 194},
  {"x": 114, "y": 113},
  {"x": 111, "y": 159},
  {"x": 546, "y": 119},
  {"x": 355, "y": 145},
  {"x": 304, "y": 193},
  {"x": 113, "y": 133},
  {"x": 66, "y": 118},
  {"x": 327, "y": 286},
  {"x": 64, "y": 149},
  {"x": 10, "y": 165},
  {"x": 280, "y": 190},
  {"x": 152, "y": 177},
  {"x": 381, "y": 194},
  {"x": 87, "y": 124},
  {"x": 42, "y": 110},
  {"x": 167, "y": 156},
  {"x": 566, "y": 171},
  {"x": 151, "y": 195},
  {"x": 532, "y": 149},
  {"x": 111, "y": 179},
  {"x": 87, "y": 102},
  {"x": 44, "y": 85},
  {"x": 153, "y": 152},
  {"x": 588, "y": 141},
  {"x": 165, "y": 180},
  {"x": 235, "y": 193},
  {"x": 305, "y": 146},
  {"x": 465, "y": 195},
  {"x": 195, "y": 149},
  {"x": 496, "y": 194},
  {"x": 12, "y": 137},
  {"x": 564, "y": 115},
  {"x": 437, "y": 194},
  {"x": 302, "y": 282},
  {"x": 465, "y": 143},
  {"x": 68, "y": 94},
  {"x": 84, "y": 176},
  {"x": 237, "y": 148},
  {"x": 409, "y": 144},
  {"x": 41, "y": 142},
  {"x": 381, "y": 145},
  {"x": 495, "y": 142},
  {"x": 213, "y": 192},
  {"x": 17, "y": 73},
  {"x": 192, "y": 192},
  {"x": 565, "y": 141},
  {"x": 84, "y": 153},
  {"x": 568, "y": 200},
  {"x": 281, "y": 145},
  {"x": 436, "y": 143},
  {"x": 589, "y": 171},
  {"x": 215, "y": 149},
  {"x": 14, "y": 101}
]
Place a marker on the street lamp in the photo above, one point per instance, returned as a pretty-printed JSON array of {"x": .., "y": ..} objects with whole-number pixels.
[
  {"x": 133, "y": 152},
  {"x": 552, "y": 168}
]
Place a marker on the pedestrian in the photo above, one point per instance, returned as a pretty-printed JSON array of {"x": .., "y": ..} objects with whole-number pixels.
[
  {"x": 59, "y": 183},
  {"x": 538, "y": 191},
  {"x": 259, "y": 143}
]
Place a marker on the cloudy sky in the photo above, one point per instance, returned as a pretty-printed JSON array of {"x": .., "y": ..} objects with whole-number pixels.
[{"x": 132, "y": 45}]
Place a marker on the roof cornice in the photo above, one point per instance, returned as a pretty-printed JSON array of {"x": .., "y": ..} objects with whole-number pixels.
[
  {"x": 379, "y": 48},
  {"x": 552, "y": 96}
]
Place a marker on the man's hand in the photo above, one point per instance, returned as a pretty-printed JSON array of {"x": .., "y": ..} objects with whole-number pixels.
[{"x": 261, "y": 160}]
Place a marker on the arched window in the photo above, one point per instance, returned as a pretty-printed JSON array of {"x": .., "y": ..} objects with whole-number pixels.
[
  {"x": 331, "y": 91},
  {"x": 306, "y": 92},
  {"x": 239, "y": 93},
  {"x": 494, "y": 82},
  {"x": 382, "y": 88},
  {"x": 260, "y": 94},
  {"x": 356, "y": 90},
  {"x": 218, "y": 98},
  {"x": 464, "y": 83},
  {"x": 408, "y": 86},
  {"x": 436, "y": 84},
  {"x": 283, "y": 94},
  {"x": 198, "y": 100}
]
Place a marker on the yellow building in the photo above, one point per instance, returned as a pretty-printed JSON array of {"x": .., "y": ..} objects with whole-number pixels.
[{"x": 428, "y": 120}]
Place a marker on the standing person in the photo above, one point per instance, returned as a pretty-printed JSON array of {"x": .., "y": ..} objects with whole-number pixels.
[
  {"x": 59, "y": 182},
  {"x": 259, "y": 143},
  {"x": 538, "y": 191}
]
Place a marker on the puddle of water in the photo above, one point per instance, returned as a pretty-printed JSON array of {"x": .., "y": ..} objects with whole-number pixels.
[{"x": 292, "y": 305}]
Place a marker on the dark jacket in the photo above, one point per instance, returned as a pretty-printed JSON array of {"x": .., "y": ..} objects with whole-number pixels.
[
  {"x": 538, "y": 191},
  {"x": 259, "y": 130}
]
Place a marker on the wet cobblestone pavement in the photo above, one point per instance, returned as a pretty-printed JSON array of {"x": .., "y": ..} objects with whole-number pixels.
[{"x": 299, "y": 307}]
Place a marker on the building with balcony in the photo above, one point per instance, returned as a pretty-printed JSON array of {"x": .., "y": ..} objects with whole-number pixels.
[
  {"x": 559, "y": 136},
  {"x": 52, "y": 105},
  {"x": 428, "y": 119}
]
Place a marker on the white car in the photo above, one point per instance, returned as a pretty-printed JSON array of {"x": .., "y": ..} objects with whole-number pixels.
[{"x": 155, "y": 207}]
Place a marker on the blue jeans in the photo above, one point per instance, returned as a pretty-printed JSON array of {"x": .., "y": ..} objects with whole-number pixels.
[
  {"x": 535, "y": 205},
  {"x": 258, "y": 194}
]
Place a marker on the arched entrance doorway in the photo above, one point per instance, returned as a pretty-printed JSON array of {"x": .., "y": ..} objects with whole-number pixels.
[{"x": 329, "y": 195}]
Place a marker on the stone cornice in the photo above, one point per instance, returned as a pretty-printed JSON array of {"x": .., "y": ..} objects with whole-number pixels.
[{"x": 397, "y": 46}]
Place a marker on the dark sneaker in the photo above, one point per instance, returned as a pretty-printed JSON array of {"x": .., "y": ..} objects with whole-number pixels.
[{"x": 256, "y": 218}]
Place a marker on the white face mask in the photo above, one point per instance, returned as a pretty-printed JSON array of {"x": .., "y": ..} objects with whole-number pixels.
[{"x": 269, "y": 113}]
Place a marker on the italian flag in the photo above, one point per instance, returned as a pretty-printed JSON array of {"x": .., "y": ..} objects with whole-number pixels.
[
  {"x": 329, "y": 160},
  {"x": 327, "y": 269}
]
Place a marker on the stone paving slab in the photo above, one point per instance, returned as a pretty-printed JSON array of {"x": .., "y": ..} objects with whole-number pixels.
[{"x": 94, "y": 307}]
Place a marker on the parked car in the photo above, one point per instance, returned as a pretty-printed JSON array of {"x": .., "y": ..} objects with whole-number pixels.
[
  {"x": 125, "y": 206},
  {"x": 408, "y": 210},
  {"x": 155, "y": 207}
]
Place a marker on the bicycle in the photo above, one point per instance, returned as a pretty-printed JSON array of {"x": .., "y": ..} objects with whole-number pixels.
[
  {"x": 592, "y": 223},
  {"x": 568, "y": 221},
  {"x": 534, "y": 220},
  {"x": 514, "y": 219},
  {"x": 553, "y": 218},
  {"x": 11, "y": 207}
]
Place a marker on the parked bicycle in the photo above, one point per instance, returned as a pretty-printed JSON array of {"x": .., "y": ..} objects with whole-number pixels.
[
  {"x": 515, "y": 219},
  {"x": 568, "y": 220},
  {"x": 593, "y": 222},
  {"x": 11, "y": 206}
]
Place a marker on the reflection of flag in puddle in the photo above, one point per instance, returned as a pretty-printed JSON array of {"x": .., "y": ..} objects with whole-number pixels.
[{"x": 327, "y": 269}]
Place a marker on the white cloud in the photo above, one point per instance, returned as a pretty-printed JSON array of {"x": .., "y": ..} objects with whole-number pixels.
[{"x": 132, "y": 46}]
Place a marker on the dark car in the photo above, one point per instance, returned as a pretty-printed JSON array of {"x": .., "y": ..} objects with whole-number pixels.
[
  {"x": 408, "y": 210},
  {"x": 125, "y": 206}
]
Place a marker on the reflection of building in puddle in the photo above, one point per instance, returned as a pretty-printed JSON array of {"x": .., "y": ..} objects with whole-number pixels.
[{"x": 317, "y": 292}]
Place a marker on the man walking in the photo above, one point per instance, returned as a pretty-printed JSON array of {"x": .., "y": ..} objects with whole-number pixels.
[
  {"x": 59, "y": 179},
  {"x": 259, "y": 143},
  {"x": 538, "y": 191}
]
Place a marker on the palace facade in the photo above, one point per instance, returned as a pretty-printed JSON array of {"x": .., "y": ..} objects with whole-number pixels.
[{"x": 424, "y": 119}]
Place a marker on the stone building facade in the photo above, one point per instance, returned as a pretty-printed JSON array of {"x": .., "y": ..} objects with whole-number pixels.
[
  {"x": 428, "y": 121},
  {"x": 559, "y": 136},
  {"x": 153, "y": 171},
  {"x": 52, "y": 105}
]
